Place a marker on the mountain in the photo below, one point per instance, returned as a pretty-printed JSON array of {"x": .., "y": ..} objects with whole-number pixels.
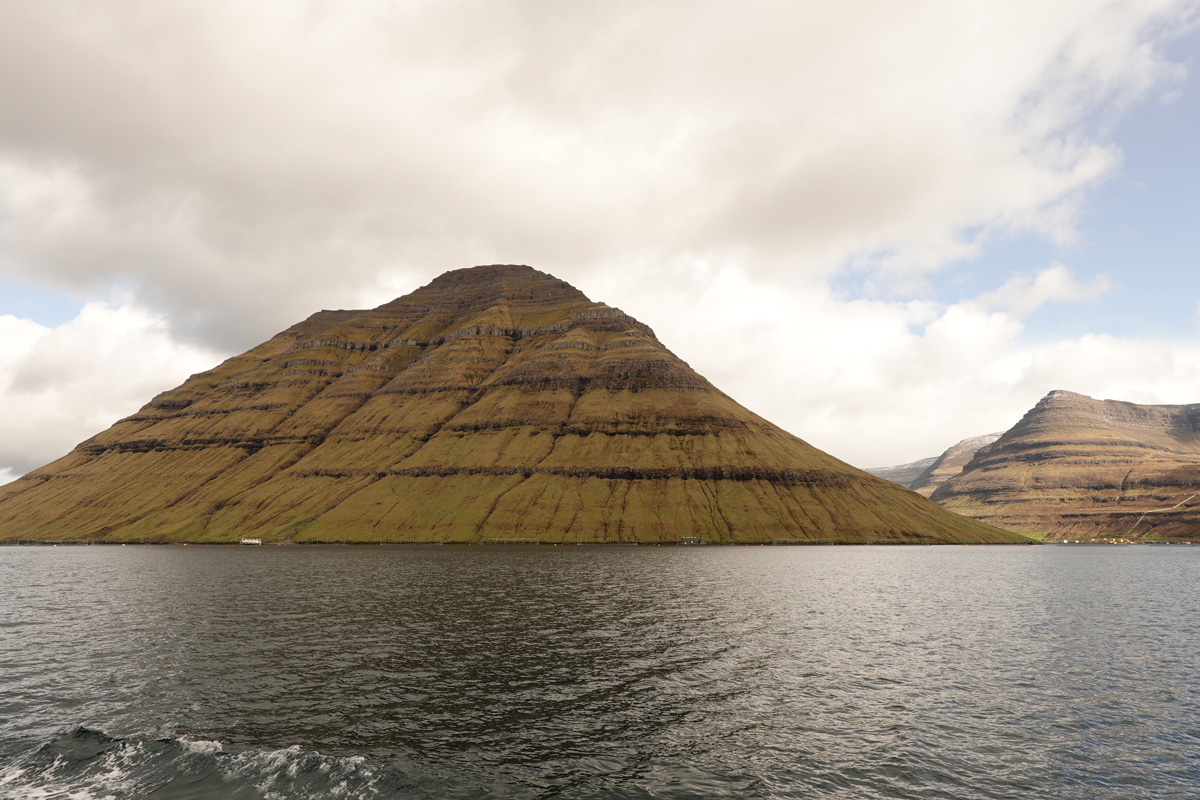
[
  {"x": 903, "y": 474},
  {"x": 950, "y": 463},
  {"x": 1080, "y": 468},
  {"x": 929, "y": 473},
  {"x": 495, "y": 403}
]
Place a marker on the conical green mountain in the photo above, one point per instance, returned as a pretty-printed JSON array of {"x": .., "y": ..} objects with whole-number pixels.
[{"x": 495, "y": 403}]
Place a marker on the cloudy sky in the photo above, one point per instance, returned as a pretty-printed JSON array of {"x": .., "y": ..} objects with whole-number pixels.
[{"x": 885, "y": 226}]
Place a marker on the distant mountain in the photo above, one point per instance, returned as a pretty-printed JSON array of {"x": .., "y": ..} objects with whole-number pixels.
[
  {"x": 1075, "y": 467},
  {"x": 496, "y": 403},
  {"x": 950, "y": 463},
  {"x": 903, "y": 474},
  {"x": 929, "y": 473}
]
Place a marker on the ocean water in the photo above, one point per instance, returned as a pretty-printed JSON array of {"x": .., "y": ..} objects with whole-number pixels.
[{"x": 592, "y": 672}]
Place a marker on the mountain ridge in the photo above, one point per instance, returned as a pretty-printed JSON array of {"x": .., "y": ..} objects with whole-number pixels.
[
  {"x": 1077, "y": 467},
  {"x": 493, "y": 403},
  {"x": 903, "y": 474},
  {"x": 950, "y": 463},
  {"x": 925, "y": 475}
]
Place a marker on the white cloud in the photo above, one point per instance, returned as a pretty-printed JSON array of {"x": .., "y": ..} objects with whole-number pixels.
[
  {"x": 58, "y": 386},
  {"x": 1021, "y": 295},
  {"x": 873, "y": 382},
  {"x": 879, "y": 383},
  {"x": 1109, "y": 367},
  {"x": 214, "y": 154},
  {"x": 238, "y": 165}
]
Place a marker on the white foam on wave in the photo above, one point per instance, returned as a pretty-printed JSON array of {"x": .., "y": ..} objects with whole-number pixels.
[
  {"x": 280, "y": 774},
  {"x": 204, "y": 747},
  {"x": 15, "y": 786},
  {"x": 122, "y": 764},
  {"x": 133, "y": 766}
]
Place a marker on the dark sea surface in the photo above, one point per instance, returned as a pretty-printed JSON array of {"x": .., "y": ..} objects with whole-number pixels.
[{"x": 593, "y": 672}]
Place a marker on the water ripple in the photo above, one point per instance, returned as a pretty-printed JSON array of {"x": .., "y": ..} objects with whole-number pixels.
[{"x": 542, "y": 672}]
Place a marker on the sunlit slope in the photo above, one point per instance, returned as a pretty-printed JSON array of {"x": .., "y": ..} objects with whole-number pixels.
[
  {"x": 495, "y": 403},
  {"x": 1075, "y": 467}
]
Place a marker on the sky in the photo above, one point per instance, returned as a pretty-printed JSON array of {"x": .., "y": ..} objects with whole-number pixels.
[{"x": 883, "y": 226}]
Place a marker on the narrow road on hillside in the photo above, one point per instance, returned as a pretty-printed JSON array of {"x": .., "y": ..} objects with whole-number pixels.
[{"x": 1158, "y": 511}]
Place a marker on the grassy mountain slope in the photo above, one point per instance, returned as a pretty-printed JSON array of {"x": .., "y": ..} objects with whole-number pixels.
[{"x": 494, "y": 403}]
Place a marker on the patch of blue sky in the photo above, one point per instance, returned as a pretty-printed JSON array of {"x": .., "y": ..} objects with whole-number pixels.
[
  {"x": 45, "y": 306},
  {"x": 1142, "y": 228},
  {"x": 1139, "y": 228}
]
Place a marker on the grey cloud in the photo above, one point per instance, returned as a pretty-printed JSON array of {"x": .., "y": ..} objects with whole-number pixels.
[{"x": 241, "y": 164}]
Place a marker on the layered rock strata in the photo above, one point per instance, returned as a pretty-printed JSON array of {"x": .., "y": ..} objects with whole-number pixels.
[
  {"x": 495, "y": 403},
  {"x": 1079, "y": 468}
]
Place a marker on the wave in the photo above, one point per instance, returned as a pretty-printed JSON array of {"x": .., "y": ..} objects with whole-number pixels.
[{"x": 86, "y": 764}]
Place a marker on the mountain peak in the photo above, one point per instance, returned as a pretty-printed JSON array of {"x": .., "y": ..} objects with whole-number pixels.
[
  {"x": 495, "y": 282},
  {"x": 1079, "y": 467},
  {"x": 494, "y": 403},
  {"x": 950, "y": 463}
]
